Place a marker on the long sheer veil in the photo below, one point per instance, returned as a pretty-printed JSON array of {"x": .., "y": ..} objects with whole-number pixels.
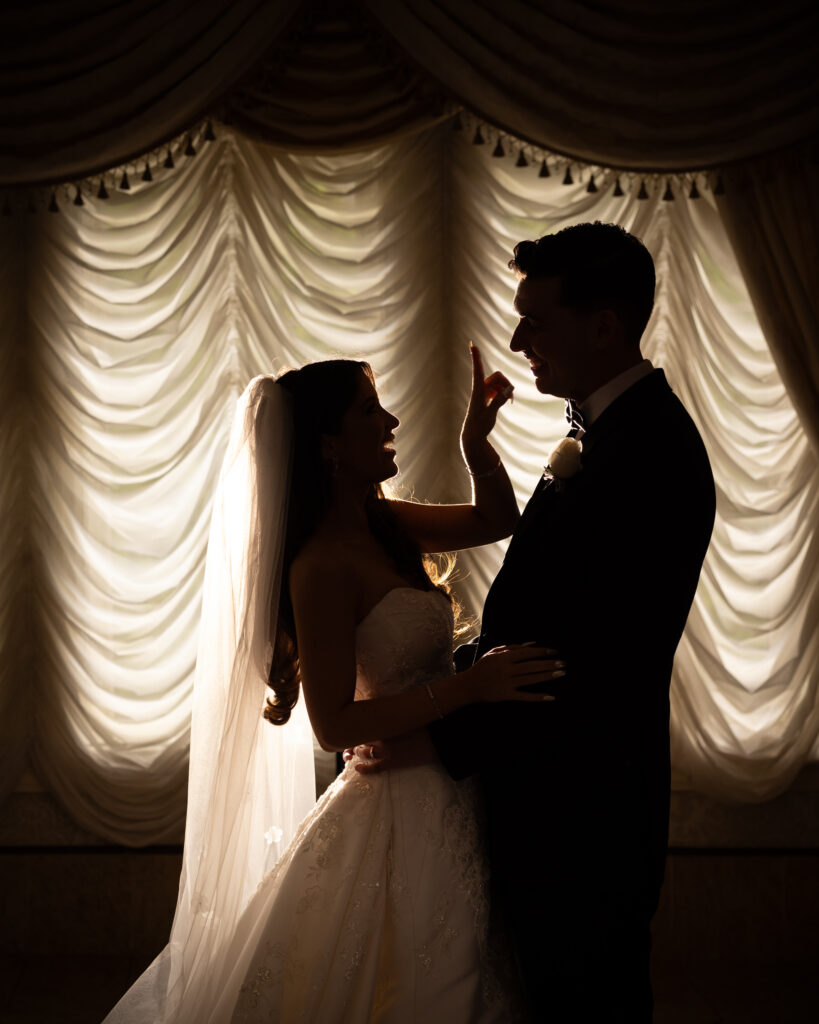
[{"x": 250, "y": 782}]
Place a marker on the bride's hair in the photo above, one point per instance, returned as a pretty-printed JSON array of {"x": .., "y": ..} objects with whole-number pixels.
[{"x": 322, "y": 393}]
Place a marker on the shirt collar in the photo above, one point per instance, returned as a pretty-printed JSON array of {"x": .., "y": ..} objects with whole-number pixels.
[{"x": 599, "y": 400}]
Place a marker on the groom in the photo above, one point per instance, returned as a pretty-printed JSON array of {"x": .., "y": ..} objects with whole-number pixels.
[{"x": 603, "y": 568}]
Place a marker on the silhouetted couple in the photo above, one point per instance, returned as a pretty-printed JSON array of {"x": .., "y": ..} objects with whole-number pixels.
[{"x": 378, "y": 910}]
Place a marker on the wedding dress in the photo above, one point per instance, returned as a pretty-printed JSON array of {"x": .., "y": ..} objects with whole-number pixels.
[{"x": 377, "y": 912}]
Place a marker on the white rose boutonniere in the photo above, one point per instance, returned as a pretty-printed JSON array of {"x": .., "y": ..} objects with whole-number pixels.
[{"x": 564, "y": 462}]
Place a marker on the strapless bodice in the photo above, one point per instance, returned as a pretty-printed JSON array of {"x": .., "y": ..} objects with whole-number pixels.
[{"x": 405, "y": 640}]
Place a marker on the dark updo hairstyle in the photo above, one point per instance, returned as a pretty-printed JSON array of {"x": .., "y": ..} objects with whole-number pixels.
[
  {"x": 322, "y": 393},
  {"x": 600, "y": 266}
]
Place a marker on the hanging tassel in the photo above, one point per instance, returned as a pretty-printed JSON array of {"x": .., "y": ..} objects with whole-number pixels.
[
  {"x": 477, "y": 138},
  {"x": 643, "y": 193},
  {"x": 521, "y": 160},
  {"x": 567, "y": 177},
  {"x": 544, "y": 171},
  {"x": 695, "y": 192},
  {"x": 498, "y": 150},
  {"x": 124, "y": 184},
  {"x": 169, "y": 160},
  {"x": 591, "y": 187},
  {"x": 189, "y": 150},
  {"x": 78, "y": 199},
  {"x": 52, "y": 206},
  {"x": 668, "y": 195},
  {"x": 457, "y": 123},
  {"x": 719, "y": 188},
  {"x": 102, "y": 192},
  {"x": 209, "y": 133},
  {"x": 146, "y": 174},
  {"x": 618, "y": 188}
]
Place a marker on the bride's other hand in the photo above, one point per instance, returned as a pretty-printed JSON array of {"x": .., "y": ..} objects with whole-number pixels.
[
  {"x": 400, "y": 752},
  {"x": 500, "y": 673},
  {"x": 364, "y": 750},
  {"x": 488, "y": 395}
]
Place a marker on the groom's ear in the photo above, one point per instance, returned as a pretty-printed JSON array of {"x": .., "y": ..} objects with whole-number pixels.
[{"x": 608, "y": 329}]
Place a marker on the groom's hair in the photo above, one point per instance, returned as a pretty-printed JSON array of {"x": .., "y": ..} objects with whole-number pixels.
[{"x": 600, "y": 266}]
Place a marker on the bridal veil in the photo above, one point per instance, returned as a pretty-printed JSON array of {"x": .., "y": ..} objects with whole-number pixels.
[{"x": 250, "y": 782}]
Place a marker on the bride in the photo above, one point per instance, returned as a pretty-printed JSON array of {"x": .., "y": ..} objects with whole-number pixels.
[{"x": 376, "y": 911}]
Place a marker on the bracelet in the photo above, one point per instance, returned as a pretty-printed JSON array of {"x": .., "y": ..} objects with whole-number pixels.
[
  {"x": 434, "y": 701},
  {"x": 488, "y": 472}
]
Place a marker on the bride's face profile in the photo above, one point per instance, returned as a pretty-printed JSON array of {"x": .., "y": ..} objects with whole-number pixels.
[{"x": 363, "y": 448}]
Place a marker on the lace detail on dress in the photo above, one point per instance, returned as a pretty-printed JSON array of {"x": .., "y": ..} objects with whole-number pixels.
[
  {"x": 389, "y": 656},
  {"x": 378, "y": 911}
]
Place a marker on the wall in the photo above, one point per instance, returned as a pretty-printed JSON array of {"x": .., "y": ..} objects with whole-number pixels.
[{"x": 742, "y": 882}]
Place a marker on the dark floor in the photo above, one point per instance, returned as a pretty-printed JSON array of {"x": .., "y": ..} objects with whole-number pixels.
[
  {"x": 735, "y": 938},
  {"x": 81, "y": 990}
]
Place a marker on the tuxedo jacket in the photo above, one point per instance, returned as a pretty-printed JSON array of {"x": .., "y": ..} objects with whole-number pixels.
[{"x": 603, "y": 568}]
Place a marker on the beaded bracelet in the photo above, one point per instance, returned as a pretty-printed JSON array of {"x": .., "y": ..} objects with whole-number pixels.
[{"x": 488, "y": 472}]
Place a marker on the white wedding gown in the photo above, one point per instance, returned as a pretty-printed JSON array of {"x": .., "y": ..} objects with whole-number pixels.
[{"x": 377, "y": 912}]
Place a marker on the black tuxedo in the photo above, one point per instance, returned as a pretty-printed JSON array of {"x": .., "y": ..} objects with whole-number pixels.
[{"x": 603, "y": 568}]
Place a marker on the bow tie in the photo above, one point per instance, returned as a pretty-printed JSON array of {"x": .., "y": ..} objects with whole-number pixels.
[{"x": 574, "y": 417}]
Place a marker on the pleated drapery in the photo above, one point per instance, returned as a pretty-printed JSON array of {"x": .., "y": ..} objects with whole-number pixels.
[
  {"x": 745, "y": 701},
  {"x": 133, "y": 322},
  {"x": 148, "y": 315},
  {"x": 630, "y": 83},
  {"x": 142, "y": 318},
  {"x": 87, "y": 86},
  {"x": 771, "y": 213}
]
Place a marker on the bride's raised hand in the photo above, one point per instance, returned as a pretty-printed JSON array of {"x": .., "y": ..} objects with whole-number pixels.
[
  {"x": 487, "y": 396},
  {"x": 500, "y": 673}
]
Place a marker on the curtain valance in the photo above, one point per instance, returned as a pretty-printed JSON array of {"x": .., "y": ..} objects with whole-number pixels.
[
  {"x": 85, "y": 86},
  {"x": 628, "y": 83},
  {"x": 677, "y": 86}
]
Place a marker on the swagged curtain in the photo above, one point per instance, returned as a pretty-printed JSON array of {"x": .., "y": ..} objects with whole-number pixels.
[
  {"x": 745, "y": 713},
  {"x": 134, "y": 322},
  {"x": 149, "y": 312},
  {"x": 631, "y": 83}
]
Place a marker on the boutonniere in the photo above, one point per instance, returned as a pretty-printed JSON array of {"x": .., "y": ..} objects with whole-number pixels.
[{"x": 564, "y": 462}]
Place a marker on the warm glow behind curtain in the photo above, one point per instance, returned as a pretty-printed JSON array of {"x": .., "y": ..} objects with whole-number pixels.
[
  {"x": 745, "y": 712},
  {"x": 776, "y": 248},
  {"x": 149, "y": 314}
]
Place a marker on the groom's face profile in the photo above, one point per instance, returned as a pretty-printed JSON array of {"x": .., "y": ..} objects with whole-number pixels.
[{"x": 557, "y": 341}]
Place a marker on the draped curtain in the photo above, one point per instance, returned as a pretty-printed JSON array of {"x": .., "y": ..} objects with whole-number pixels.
[
  {"x": 631, "y": 83},
  {"x": 85, "y": 86},
  {"x": 133, "y": 322},
  {"x": 745, "y": 712},
  {"x": 149, "y": 313},
  {"x": 776, "y": 249}
]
